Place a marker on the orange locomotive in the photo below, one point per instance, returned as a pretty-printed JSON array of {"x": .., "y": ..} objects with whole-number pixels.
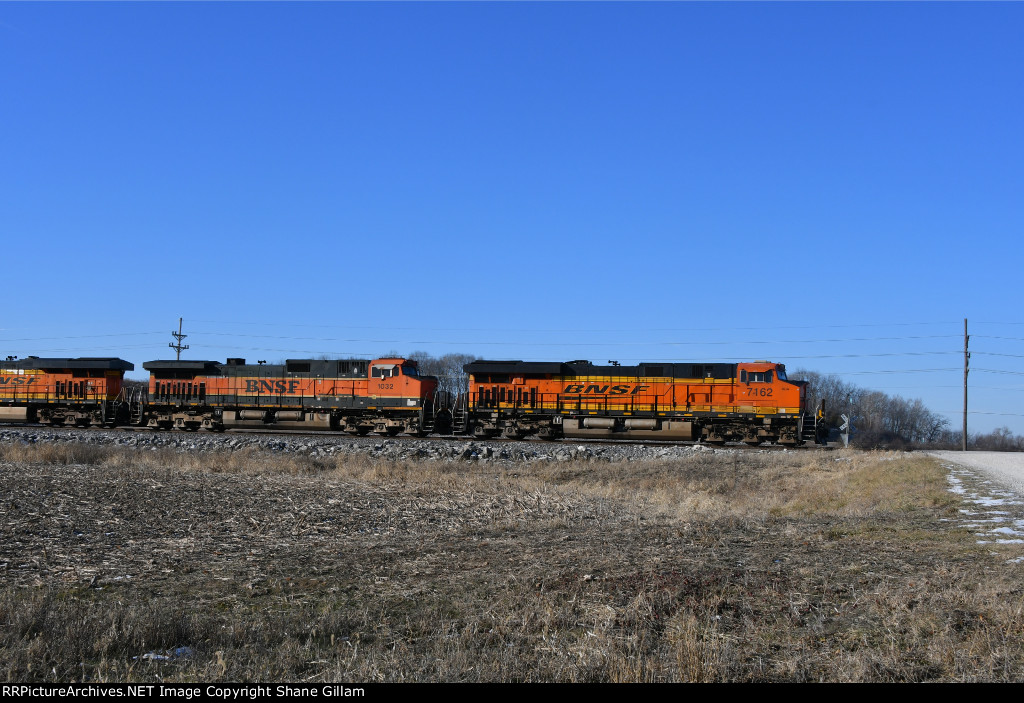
[
  {"x": 74, "y": 392},
  {"x": 387, "y": 396},
  {"x": 719, "y": 402}
]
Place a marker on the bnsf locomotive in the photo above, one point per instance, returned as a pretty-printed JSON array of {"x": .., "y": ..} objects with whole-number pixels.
[
  {"x": 75, "y": 392},
  {"x": 714, "y": 403},
  {"x": 387, "y": 396}
]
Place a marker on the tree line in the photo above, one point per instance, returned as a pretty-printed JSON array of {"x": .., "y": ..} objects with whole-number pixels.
[
  {"x": 882, "y": 420},
  {"x": 879, "y": 419}
]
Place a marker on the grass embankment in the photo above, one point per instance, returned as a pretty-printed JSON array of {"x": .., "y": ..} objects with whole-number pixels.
[{"x": 717, "y": 567}]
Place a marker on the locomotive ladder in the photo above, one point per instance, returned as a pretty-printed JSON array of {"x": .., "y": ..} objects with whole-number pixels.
[
  {"x": 110, "y": 412},
  {"x": 460, "y": 414},
  {"x": 113, "y": 408},
  {"x": 809, "y": 429},
  {"x": 429, "y": 414},
  {"x": 136, "y": 406}
]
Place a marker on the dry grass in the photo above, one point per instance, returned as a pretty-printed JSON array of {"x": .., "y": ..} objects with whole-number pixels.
[{"x": 252, "y": 565}]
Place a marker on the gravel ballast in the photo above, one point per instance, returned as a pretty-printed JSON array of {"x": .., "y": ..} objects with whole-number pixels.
[{"x": 394, "y": 449}]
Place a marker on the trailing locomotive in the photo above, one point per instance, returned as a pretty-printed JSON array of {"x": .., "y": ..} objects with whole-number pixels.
[
  {"x": 59, "y": 391},
  {"x": 715, "y": 403},
  {"x": 387, "y": 396}
]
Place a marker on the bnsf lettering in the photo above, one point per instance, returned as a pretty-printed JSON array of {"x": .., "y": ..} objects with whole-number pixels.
[
  {"x": 578, "y": 388},
  {"x": 254, "y": 386},
  {"x": 16, "y": 381}
]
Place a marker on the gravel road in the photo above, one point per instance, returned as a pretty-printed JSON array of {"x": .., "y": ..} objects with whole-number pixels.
[{"x": 1005, "y": 468}]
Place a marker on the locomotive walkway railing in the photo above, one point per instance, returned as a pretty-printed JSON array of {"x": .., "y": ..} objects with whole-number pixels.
[{"x": 486, "y": 399}]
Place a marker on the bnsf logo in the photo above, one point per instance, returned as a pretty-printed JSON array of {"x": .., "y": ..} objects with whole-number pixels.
[
  {"x": 578, "y": 388},
  {"x": 16, "y": 381},
  {"x": 252, "y": 386}
]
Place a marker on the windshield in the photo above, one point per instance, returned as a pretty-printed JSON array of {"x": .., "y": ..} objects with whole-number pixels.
[
  {"x": 409, "y": 371},
  {"x": 782, "y": 372}
]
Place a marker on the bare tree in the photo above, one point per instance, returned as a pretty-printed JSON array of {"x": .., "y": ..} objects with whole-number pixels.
[
  {"x": 880, "y": 420},
  {"x": 448, "y": 370},
  {"x": 999, "y": 440}
]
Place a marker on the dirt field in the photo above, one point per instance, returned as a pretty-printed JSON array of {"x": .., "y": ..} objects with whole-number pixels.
[{"x": 144, "y": 564}]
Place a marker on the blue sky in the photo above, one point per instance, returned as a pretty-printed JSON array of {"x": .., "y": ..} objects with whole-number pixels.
[{"x": 834, "y": 186}]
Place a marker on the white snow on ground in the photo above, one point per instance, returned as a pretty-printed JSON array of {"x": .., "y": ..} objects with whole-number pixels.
[{"x": 995, "y": 507}]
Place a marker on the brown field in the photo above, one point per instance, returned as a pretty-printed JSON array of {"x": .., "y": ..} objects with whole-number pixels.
[{"x": 130, "y": 565}]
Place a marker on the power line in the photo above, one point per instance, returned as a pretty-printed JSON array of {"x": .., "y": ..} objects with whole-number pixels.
[
  {"x": 601, "y": 329},
  {"x": 78, "y": 350},
  {"x": 1012, "y": 356},
  {"x": 858, "y": 373},
  {"x": 84, "y": 336},
  {"x": 574, "y": 344}
]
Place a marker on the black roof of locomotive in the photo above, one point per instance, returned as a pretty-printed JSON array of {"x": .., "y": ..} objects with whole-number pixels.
[
  {"x": 341, "y": 368},
  {"x": 526, "y": 368},
  {"x": 83, "y": 363},
  {"x": 585, "y": 368},
  {"x": 168, "y": 364}
]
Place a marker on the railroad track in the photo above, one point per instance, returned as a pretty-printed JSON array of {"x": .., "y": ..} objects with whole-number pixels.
[{"x": 323, "y": 434}]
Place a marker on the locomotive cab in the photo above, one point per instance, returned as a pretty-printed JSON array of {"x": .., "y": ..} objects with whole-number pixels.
[
  {"x": 400, "y": 378},
  {"x": 396, "y": 385},
  {"x": 764, "y": 387}
]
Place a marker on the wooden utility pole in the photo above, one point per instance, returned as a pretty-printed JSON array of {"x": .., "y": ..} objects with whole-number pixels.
[
  {"x": 179, "y": 336},
  {"x": 967, "y": 355}
]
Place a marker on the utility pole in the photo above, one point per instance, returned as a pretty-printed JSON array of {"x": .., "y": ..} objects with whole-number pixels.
[
  {"x": 179, "y": 347},
  {"x": 967, "y": 355}
]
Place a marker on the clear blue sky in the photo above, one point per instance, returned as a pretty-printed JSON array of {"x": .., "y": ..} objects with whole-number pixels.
[{"x": 834, "y": 186}]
